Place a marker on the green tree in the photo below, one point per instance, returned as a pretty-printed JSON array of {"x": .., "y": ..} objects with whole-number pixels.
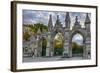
[
  {"x": 36, "y": 27},
  {"x": 77, "y": 48},
  {"x": 40, "y": 26},
  {"x": 26, "y": 36},
  {"x": 74, "y": 45}
]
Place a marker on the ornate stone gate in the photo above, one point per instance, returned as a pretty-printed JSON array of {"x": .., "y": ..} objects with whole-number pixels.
[{"x": 67, "y": 34}]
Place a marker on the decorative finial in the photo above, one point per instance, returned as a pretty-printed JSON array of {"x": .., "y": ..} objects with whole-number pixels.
[
  {"x": 57, "y": 16},
  {"x": 76, "y": 19}
]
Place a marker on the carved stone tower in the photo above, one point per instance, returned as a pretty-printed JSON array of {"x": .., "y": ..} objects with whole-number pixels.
[
  {"x": 50, "y": 24},
  {"x": 67, "y": 20},
  {"x": 66, "y": 35},
  {"x": 87, "y": 23},
  {"x": 88, "y": 36}
]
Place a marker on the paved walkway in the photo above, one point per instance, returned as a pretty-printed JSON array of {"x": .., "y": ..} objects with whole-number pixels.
[{"x": 42, "y": 59}]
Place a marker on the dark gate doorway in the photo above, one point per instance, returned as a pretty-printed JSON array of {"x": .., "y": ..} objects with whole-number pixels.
[{"x": 44, "y": 45}]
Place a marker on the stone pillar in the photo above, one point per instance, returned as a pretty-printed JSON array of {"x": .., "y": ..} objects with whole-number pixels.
[
  {"x": 51, "y": 40},
  {"x": 66, "y": 49},
  {"x": 87, "y": 48},
  {"x": 70, "y": 50},
  {"x": 87, "y": 52},
  {"x": 35, "y": 52},
  {"x": 48, "y": 49},
  {"x": 84, "y": 51},
  {"x": 39, "y": 48},
  {"x": 48, "y": 44},
  {"x": 51, "y": 47},
  {"x": 35, "y": 47},
  {"x": 67, "y": 45}
]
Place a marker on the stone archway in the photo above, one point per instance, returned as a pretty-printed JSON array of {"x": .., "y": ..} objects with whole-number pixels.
[
  {"x": 77, "y": 45},
  {"x": 58, "y": 44},
  {"x": 80, "y": 49}
]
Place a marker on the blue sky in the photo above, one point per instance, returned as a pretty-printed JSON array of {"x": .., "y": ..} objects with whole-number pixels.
[
  {"x": 78, "y": 38},
  {"x": 33, "y": 16}
]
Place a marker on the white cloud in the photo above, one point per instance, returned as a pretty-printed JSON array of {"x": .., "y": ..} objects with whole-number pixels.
[{"x": 77, "y": 37}]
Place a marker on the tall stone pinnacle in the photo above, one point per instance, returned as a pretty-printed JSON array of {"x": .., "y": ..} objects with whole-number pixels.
[
  {"x": 87, "y": 20},
  {"x": 50, "y": 24},
  {"x": 67, "y": 20},
  {"x": 58, "y": 23}
]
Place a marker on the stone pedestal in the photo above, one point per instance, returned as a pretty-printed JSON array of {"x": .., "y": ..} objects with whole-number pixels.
[
  {"x": 47, "y": 51},
  {"x": 70, "y": 52},
  {"x": 84, "y": 52},
  {"x": 87, "y": 52}
]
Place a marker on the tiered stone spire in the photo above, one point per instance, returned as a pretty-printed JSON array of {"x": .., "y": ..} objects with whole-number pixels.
[
  {"x": 50, "y": 24},
  {"x": 58, "y": 23},
  {"x": 67, "y": 20},
  {"x": 87, "y": 22},
  {"x": 76, "y": 24},
  {"x": 76, "y": 21}
]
